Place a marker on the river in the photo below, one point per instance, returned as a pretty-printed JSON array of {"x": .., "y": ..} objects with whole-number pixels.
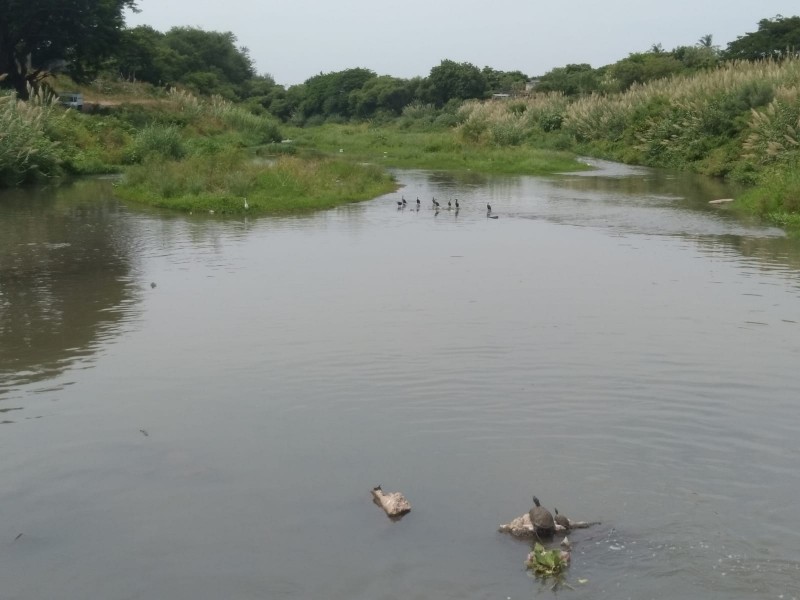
[{"x": 196, "y": 407}]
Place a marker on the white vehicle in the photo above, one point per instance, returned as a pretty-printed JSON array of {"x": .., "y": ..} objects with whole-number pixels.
[{"x": 71, "y": 100}]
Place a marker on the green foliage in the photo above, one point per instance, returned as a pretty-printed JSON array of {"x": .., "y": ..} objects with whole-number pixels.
[
  {"x": 207, "y": 62},
  {"x": 26, "y": 153},
  {"x": 156, "y": 142},
  {"x": 221, "y": 182},
  {"x": 380, "y": 95},
  {"x": 451, "y": 80},
  {"x": 506, "y": 82},
  {"x": 396, "y": 146},
  {"x": 329, "y": 93},
  {"x": 35, "y": 33},
  {"x": 775, "y": 38},
  {"x": 641, "y": 67},
  {"x": 546, "y": 563},
  {"x": 774, "y": 132},
  {"x": 571, "y": 80},
  {"x": 777, "y": 195}
]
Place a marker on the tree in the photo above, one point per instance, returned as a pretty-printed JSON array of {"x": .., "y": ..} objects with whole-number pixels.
[
  {"x": 328, "y": 94},
  {"x": 384, "y": 94},
  {"x": 143, "y": 55},
  {"x": 209, "y": 61},
  {"x": 706, "y": 41},
  {"x": 451, "y": 80},
  {"x": 37, "y": 34},
  {"x": 696, "y": 58},
  {"x": 775, "y": 38},
  {"x": 640, "y": 67},
  {"x": 571, "y": 80},
  {"x": 504, "y": 81}
]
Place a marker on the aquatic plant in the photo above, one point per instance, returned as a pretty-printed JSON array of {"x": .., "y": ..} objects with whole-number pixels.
[{"x": 546, "y": 563}]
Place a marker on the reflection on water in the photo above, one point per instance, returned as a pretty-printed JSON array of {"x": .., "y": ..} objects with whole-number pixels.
[
  {"x": 610, "y": 343},
  {"x": 66, "y": 285}
]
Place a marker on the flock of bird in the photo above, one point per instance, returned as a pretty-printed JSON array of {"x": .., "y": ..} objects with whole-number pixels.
[{"x": 403, "y": 203}]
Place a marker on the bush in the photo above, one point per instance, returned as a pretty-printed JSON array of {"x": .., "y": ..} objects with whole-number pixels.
[{"x": 156, "y": 141}]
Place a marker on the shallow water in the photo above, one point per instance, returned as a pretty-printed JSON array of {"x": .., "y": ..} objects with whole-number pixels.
[{"x": 611, "y": 343}]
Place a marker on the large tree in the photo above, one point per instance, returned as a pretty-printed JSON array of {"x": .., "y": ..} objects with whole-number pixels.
[
  {"x": 451, "y": 80},
  {"x": 775, "y": 38},
  {"x": 37, "y": 33},
  {"x": 328, "y": 94}
]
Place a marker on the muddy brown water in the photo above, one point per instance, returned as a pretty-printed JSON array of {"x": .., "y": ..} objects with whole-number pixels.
[{"x": 611, "y": 343}]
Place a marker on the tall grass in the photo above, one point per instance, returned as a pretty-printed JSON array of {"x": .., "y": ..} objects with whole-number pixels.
[
  {"x": 741, "y": 120},
  {"x": 261, "y": 129},
  {"x": 26, "y": 153}
]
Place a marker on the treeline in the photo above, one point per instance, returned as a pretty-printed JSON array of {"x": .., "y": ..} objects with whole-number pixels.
[
  {"x": 211, "y": 63},
  {"x": 87, "y": 39}
]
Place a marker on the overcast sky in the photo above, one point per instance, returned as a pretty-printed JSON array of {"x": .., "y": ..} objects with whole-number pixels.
[{"x": 293, "y": 40}]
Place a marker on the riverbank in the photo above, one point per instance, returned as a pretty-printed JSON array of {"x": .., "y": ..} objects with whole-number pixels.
[
  {"x": 187, "y": 153},
  {"x": 738, "y": 123}
]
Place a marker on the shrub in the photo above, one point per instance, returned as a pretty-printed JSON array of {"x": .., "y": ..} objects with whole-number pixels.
[{"x": 157, "y": 141}]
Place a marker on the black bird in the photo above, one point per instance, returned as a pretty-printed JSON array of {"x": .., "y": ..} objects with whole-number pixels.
[
  {"x": 435, "y": 204},
  {"x": 457, "y": 207},
  {"x": 399, "y": 204},
  {"x": 417, "y": 201},
  {"x": 404, "y": 201},
  {"x": 488, "y": 208}
]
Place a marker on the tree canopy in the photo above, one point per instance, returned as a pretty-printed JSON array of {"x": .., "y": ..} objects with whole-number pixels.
[
  {"x": 774, "y": 39},
  {"x": 77, "y": 33},
  {"x": 451, "y": 80},
  {"x": 206, "y": 61}
]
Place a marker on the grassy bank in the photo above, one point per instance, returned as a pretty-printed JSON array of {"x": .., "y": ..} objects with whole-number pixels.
[
  {"x": 224, "y": 182},
  {"x": 188, "y": 153},
  {"x": 434, "y": 148},
  {"x": 740, "y": 121}
]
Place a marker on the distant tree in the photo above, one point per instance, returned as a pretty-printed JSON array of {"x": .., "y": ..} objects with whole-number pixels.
[
  {"x": 706, "y": 41},
  {"x": 213, "y": 54},
  {"x": 696, "y": 58},
  {"x": 504, "y": 81},
  {"x": 774, "y": 39},
  {"x": 37, "y": 33},
  {"x": 328, "y": 94},
  {"x": 384, "y": 94},
  {"x": 571, "y": 80},
  {"x": 143, "y": 55},
  {"x": 640, "y": 67},
  {"x": 455, "y": 81}
]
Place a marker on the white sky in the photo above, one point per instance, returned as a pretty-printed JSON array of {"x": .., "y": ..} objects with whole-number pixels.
[{"x": 293, "y": 40}]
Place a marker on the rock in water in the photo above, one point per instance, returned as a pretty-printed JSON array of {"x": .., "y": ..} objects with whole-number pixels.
[{"x": 394, "y": 504}]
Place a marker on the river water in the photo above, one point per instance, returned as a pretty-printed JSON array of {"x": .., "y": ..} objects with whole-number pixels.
[{"x": 197, "y": 408}]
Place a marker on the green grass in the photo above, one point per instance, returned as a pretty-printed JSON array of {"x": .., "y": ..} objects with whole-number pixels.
[
  {"x": 221, "y": 182},
  {"x": 390, "y": 146},
  {"x": 776, "y": 196}
]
